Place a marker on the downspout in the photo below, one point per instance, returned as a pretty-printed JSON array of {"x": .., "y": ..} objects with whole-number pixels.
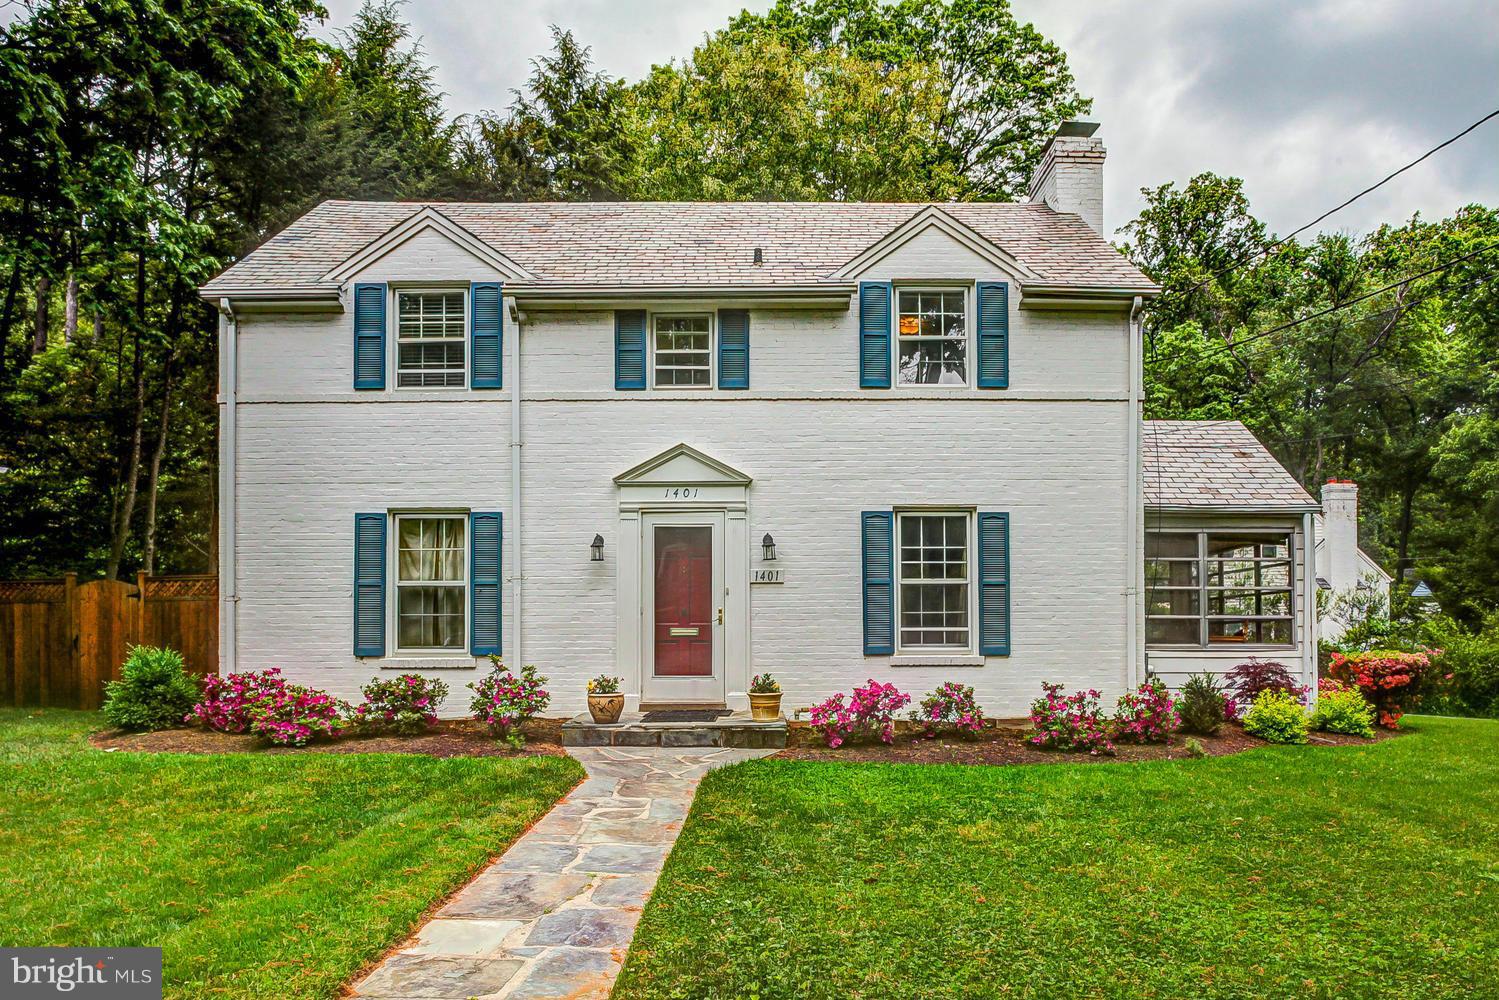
[
  {"x": 228, "y": 490},
  {"x": 1311, "y": 644},
  {"x": 1134, "y": 535},
  {"x": 517, "y": 574}
]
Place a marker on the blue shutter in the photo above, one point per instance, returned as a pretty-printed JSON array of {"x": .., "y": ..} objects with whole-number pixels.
[
  {"x": 484, "y": 537},
  {"x": 733, "y": 348},
  {"x": 994, "y": 335},
  {"x": 994, "y": 584},
  {"x": 874, "y": 334},
  {"x": 369, "y": 336},
  {"x": 878, "y": 528},
  {"x": 486, "y": 327},
  {"x": 629, "y": 349},
  {"x": 369, "y": 584}
]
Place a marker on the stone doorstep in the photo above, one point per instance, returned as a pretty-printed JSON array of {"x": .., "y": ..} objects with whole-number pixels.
[{"x": 736, "y": 730}]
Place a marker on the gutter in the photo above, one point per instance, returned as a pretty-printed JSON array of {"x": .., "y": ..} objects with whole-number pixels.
[
  {"x": 554, "y": 293},
  {"x": 1134, "y": 569},
  {"x": 517, "y": 572},
  {"x": 228, "y": 490}
]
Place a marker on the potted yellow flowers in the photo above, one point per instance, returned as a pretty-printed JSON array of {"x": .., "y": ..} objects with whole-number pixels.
[
  {"x": 605, "y": 703},
  {"x": 765, "y": 698}
]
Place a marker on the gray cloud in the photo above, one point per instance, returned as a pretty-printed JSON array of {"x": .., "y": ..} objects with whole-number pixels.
[{"x": 1307, "y": 100}]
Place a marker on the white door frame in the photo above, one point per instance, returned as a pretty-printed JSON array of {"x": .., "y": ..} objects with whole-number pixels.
[
  {"x": 682, "y": 480},
  {"x": 709, "y": 690}
]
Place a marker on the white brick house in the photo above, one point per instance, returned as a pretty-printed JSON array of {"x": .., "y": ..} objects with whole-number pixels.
[{"x": 431, "y": 412}]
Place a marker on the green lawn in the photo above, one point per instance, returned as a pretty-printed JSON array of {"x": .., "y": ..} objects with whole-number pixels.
[
  {"x": 1285, "y": 871},
  {"x": 260, "y": 876}
]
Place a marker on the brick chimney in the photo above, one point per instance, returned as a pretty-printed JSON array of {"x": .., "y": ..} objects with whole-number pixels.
[
  {"x": 1338, "y": 562},
  {"x": 1070, "y": 177}
]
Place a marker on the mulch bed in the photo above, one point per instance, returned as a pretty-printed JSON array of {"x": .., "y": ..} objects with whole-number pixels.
[
  {"x": 1004, "y": 743},
  {"x": 451, "y": 738}
]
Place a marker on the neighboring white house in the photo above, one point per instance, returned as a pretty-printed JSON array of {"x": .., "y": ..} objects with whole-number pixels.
[{"x": 686, "y": 443}]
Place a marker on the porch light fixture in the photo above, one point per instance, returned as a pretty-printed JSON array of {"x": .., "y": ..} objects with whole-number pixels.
[
  {"x": 768, "y": 548},
  {"x": 596, "y": 548}
]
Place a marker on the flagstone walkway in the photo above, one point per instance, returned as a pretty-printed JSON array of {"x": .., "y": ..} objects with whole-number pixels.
[{"x": 553, "y": 917}]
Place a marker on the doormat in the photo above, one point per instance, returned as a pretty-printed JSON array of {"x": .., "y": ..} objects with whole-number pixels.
[{"x": 686, "y": 715}]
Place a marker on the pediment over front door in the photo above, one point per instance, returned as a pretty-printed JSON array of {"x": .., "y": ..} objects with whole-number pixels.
[{"x": 682, "y": 465}]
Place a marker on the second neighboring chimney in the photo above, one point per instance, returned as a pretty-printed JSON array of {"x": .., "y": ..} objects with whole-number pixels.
[
  {"x": 1340, "y": 535},
  {"x": 1070, "y": 177}
]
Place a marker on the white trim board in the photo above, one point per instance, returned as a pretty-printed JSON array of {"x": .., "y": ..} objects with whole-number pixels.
[
  {"x": 932, "y": 217},
  {"x": 420, "y": 221}
]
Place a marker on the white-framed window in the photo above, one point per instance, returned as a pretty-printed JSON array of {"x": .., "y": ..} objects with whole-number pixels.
[
  {"x": 934, "y": 609},
  {"x": 431, "y": 329},
  {"x": 1220, "y": 588},
  {"x": 931, "y": 336},
  {"x": 682, "y": 350},
  {"x": 429, "y": 607}
]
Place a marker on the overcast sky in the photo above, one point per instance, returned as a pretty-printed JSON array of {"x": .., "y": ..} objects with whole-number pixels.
[{"x": 1308, "y": 101}]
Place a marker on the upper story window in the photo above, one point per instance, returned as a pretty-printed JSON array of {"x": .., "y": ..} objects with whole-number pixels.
[
  {"x": 934, "y": 574},
  {"x": 430, "y": 332},
  {"x": 683, "y": 351},
  {"x": 1211, "y": 588},
  {"x": 931, "y": 336},
  {"x": 431, "y": 582}
]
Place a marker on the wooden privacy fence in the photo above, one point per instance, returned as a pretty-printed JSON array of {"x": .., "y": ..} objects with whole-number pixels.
[{"x": 60, "y": 640}]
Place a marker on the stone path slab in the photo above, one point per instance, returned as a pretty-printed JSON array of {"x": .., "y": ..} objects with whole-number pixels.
[{"x": 554, "y": 915}]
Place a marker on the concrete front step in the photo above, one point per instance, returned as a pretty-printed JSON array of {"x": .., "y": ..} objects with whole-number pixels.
[{"x": 736, "y": 730}]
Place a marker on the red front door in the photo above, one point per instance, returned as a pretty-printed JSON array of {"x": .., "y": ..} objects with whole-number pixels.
[{"x": 684, "y": 600}]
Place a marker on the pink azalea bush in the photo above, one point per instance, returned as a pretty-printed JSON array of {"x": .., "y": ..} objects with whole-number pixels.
[
  {"x": 229, "y": 704},
  {"x": 503, "y": 701},
  {"x": 1388, "y": 678},
  {"x": 1147, "y": 715},
  {"x": 1070, "y": 721},
  {"x": 868, "y": 712},
  {"x": 405, "y": 705},
  {"x": 950, "y": 708},
  {"x": 295, "y": 716}
]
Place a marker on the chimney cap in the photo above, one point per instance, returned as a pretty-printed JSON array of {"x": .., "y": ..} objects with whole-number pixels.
[{"x": 1075, "y": 128}]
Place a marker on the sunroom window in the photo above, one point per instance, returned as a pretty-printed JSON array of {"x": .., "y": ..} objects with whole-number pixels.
[
  {"x": 934, "y": 576},
  {"x": 430, "y": 330},
  {"x": 431, "y": 582},
  {"x": 932, "y": 336},
  {"x": 1209, "y": 588}
]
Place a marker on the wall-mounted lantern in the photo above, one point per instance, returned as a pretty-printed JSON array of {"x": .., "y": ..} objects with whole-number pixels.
[
  {"x": 596, "y": 549},
  {"x": 768, "y": 548}
]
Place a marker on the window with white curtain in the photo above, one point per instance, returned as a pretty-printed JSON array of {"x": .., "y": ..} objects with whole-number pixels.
[{"x": 431, "y": 592}]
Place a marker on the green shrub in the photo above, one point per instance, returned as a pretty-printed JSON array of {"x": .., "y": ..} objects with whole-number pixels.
[
  {"x": 1472, "y": 658},
  {"x": 154, "y": 691},
  {"x": 1195, "y": 748},
  {"x": 1342, "y": 709},
  {"x": 1276, "y": 717},
  {"x": 1201, "y": 705}
]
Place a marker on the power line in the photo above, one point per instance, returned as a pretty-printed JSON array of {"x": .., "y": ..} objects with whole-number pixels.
[
  {"x": 1260, "y": 335},
  {"x": 1267, "y": 250}
]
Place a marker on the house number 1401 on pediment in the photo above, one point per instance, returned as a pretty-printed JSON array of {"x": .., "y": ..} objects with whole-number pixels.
[{"x": 683, "y": 493}]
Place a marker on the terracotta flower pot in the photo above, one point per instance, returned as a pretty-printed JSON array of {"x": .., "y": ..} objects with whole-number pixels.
[
  {"x": 606, "y": 707},
  {"x": 765, "y": 707}
]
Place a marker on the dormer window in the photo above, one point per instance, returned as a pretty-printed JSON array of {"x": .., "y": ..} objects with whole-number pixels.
[
  {"x": 931, "y": 339},
  {"x": 430, "y": 333}
]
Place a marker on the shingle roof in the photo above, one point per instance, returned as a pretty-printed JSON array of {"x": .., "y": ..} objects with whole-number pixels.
[
  {"x": 1214, "y": 463},
  {"x": 679, "y": 242}
]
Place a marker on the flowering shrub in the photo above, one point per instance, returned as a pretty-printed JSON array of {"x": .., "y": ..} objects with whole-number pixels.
[
  {"x": 294, "y": 716},
  {"x": 1342, "y": 709},
  {"x": 869, "y": 711},
  {"x": 1277, "y": 717},
  {"x": 1248, "y": 680},
  {"x": 1069, "y": 722},
  {"x": 1202, "y": 706},
  {"x": 1147, "y": 715},
  {"x": 406, "y": 704},
  {"x": 503, "y": 701},
  {"x": 229, "y": 704},
  {"x": 950, "y": 707},
  {"x": 602, "y": 684},
  {"x": 1389, "y": 679}
]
